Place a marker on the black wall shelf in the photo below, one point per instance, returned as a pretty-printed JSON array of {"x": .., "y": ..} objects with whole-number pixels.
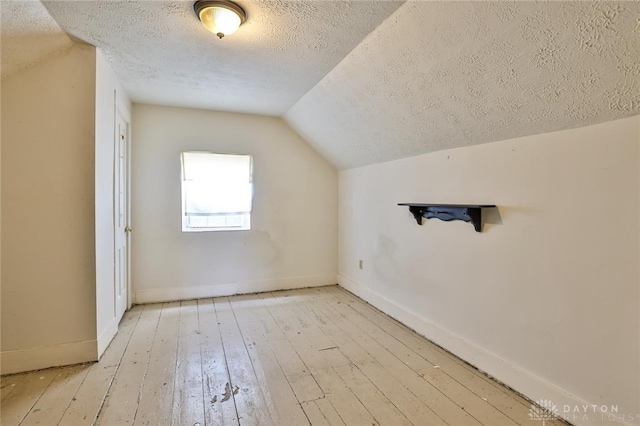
[{"x": 465, "y": 212}]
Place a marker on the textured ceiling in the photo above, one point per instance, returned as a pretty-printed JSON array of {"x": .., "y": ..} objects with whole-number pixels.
[
  {"x": 163, "y": 55},
  {"x": 28, "y": 35},
  {"x": 438, "y": 75},
  {"x": 362, "y": 81}
]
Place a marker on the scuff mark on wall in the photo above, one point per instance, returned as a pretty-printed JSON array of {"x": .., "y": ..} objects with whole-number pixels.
[{"x": 385, "y": 263}]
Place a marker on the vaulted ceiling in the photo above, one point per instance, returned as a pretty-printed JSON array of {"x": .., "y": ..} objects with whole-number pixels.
[
  {"x": 28, "y": 35},
  {"x": 439, "y": 75},
  {"x": 363, "y": 81}
]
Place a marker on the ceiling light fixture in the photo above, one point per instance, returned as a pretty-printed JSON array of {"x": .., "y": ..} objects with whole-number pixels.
[{"x": 221, "y": 17}]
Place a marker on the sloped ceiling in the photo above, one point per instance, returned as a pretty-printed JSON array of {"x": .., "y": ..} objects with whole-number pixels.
[
  {"x": 439, "y": 75},
  {"x": 163, "y": 55},
  {"x": 28, "y": 34},
  {"x": 362, "y": 81}
]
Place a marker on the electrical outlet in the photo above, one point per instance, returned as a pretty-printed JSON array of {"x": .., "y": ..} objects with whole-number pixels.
[{"x": 361, "y": 264}]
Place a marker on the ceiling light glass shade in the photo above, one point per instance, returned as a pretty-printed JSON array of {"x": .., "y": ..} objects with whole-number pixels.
[{"x": 220, "y": 17}]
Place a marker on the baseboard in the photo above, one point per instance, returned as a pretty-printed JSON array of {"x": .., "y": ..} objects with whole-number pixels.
[
  {"x": 519, "y": 379},
  {"x": 217, "y": 290},
  {"x": 20, "y": 360},
  {"x": 106, "y": 336}
]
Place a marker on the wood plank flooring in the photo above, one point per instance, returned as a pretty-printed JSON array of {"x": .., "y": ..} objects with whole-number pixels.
[{"x": 315, "y": 356}]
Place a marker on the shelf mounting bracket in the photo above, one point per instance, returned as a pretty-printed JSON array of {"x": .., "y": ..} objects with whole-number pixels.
[{"x": 466, "y": 212}]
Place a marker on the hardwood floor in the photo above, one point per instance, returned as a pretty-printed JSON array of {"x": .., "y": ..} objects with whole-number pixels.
[{"x": 319, "y": 356}]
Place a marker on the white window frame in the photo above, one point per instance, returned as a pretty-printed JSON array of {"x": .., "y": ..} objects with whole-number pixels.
[{"x": 241, "y": 221}]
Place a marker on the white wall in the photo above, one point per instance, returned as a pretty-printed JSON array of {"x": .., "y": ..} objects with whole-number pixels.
[
  {"x": 546, "y": 299},
  {"x": 293, "y": 240},
  {"x": 109, "y": 92},
  {"x": 48, "y": 245}
]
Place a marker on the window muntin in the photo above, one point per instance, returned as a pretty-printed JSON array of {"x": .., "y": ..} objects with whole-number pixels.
[{"x": 217, "y": 191}]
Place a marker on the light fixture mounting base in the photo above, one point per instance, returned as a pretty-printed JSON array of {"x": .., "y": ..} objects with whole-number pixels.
[{"x": 203, "y": 4}]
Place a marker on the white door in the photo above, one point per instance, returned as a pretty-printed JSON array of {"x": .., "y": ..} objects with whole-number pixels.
[{"x": 120, "y": 187}]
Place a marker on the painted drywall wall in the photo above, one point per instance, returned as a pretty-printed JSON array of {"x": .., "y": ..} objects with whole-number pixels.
[
  {"x": 48, "y": 245},
  {"x": 109, "y": 96},
  {"x": 546, "y": 299},
  {"x": 29, "y": 34},
  {"x": 293, "y": 238}
]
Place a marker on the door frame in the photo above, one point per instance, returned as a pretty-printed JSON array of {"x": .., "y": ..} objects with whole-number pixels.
[
  {"x": 124, "y": 117},
  {"x": 128, "y": 198}
]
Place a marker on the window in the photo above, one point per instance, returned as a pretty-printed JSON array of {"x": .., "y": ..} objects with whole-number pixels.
[{"x": 216, "y": 192}]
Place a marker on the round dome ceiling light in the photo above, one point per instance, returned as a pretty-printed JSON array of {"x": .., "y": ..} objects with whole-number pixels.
[{"x": 221, "y": 17}]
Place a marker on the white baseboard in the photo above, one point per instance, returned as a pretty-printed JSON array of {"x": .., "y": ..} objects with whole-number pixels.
[
  {"x": 106, "y": 336},
  {"x": 37, "y": 358},
  {"x": 519, "y": 379},
  {"x": 154, "y": 295}
]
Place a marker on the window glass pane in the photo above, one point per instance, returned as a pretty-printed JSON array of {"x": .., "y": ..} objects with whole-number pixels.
[
  {"x": 237, "y": 221},
  {"x": 216, "y": 191}
]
